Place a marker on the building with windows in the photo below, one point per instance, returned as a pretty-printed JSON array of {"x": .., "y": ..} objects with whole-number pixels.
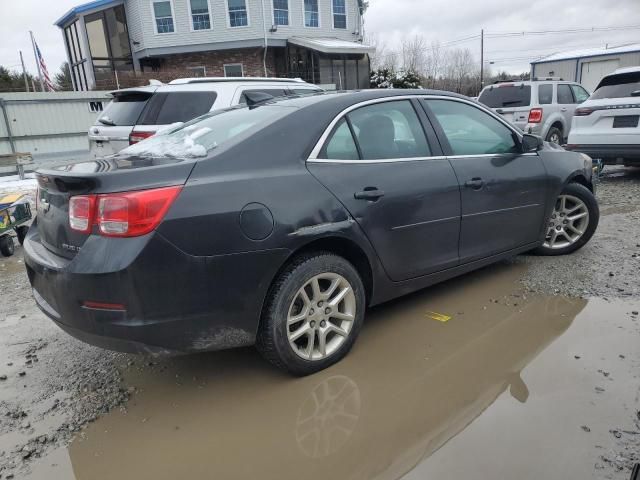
[{"x": 319, "y": 41}]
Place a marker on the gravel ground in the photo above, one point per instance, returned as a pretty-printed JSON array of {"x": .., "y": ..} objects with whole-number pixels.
[
  {"x": 609, "y": 265},
  {"x": 52, "y": 385}
]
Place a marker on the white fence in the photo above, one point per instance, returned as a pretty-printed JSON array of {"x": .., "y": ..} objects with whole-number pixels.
[{"x": 50, "y": 126}]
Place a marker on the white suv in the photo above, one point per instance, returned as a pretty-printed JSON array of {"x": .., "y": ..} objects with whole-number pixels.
[
  {"x": 606, "y": 126},
  {"x": 138, "y": 113}
]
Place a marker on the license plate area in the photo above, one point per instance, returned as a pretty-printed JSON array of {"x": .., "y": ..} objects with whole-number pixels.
[{"x": 626, "y": 121}]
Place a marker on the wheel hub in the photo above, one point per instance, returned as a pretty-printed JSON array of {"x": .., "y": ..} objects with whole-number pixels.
[{"x": 568, "y": 222}]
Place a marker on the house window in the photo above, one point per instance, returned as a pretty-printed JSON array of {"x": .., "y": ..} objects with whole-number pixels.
[
  {"x": 281, "y": 12},
  {"x": 311, "y": 14},
  {"x": 197, "y": 71},
  {"x": 233, "y": 70},
  {"x": 339, "y": 14},
  {"x": 163, "y": 12},
  {"x": 238, "y": 13},
  {"x": 200, "y": 16}
]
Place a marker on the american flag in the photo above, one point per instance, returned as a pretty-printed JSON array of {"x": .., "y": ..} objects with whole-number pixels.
[{"x": 46, "y": 79}]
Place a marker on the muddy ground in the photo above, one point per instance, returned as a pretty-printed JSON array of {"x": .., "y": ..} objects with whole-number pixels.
[{"x": 535, "y": 376}]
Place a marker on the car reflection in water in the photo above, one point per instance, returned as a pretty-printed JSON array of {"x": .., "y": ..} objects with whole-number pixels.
[{"x": 409, "y": 386}]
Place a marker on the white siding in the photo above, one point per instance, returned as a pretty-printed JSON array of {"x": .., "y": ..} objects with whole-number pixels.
[{"x": 142, "y": 26}]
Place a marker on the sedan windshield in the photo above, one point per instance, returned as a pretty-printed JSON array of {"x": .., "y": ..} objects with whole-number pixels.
[{"x": 201, "y": 135}]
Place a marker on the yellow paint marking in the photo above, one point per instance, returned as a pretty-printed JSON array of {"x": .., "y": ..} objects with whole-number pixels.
[{"x": 438, "y": 316}]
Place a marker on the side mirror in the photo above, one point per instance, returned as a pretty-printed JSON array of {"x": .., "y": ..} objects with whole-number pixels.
[
  {"x": 635, "y": 93},
  {"x": 531, "y": 143}
]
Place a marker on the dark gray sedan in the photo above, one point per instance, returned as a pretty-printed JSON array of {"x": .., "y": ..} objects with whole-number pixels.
[{"x": 278, "y": 224}]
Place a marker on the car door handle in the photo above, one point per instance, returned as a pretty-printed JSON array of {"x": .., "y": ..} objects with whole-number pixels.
[
  {"x": 563, "y": 109},
  {"x": 475, "y": 183},
  {"x": 369, "y": 193}
]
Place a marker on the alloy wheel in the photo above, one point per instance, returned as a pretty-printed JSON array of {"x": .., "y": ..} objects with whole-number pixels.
[
  {"x": 321, "y": 316},
  {"x": 568, "y": 222}
]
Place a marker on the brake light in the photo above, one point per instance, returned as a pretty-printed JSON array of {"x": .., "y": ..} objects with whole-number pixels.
[
  {"x": 582, "y": 112},
  {"x": 81, "y": 213},
  {"x": 135, "y": 137},
  {"x": 535, "y": 115},
  {"x": 126, "y": 214}
]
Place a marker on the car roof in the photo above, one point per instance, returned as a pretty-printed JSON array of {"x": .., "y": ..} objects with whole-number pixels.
[
  {"x": 183, "y": 81},
  {"x": 625, "y": 70}
]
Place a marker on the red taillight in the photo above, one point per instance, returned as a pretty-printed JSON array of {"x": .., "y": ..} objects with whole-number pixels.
[
  {"x": 126, "y": 214},
  {"x": 535, "y": 115},
  {"x": 135, "y": 137},
  {"x": 103, "y": 306},
  {"x": 81, "y": 213},
  {"x": 582, "y": 112}
]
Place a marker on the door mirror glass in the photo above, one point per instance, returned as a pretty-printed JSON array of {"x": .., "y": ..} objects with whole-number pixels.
[{"x": 531, "y": 143}]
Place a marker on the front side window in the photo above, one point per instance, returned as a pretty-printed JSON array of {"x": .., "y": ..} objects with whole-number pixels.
[
  {"x": 341, "y": 145},
  {"x": 233, "y": 70},
  {"x": 389, "y": 130},
  {"x": 281, "y": 12},
  {"x": 238, "y": 13},
  {"x": 163, "y": 14},
  {"x": 579, "y": 93},
  {"x": 545, "y": 94},
  {"x": 564, "y": 95},
  {"x": 311, "y": 13},
  {"x": 471, "y": 131},
  {"x": 200, "y": 16},
  {"x": 339, "y": 14}
]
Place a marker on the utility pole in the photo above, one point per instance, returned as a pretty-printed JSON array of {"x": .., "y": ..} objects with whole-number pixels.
[
  {"x": 481, "y": 59},
  {"x": 24, "y": 73}
]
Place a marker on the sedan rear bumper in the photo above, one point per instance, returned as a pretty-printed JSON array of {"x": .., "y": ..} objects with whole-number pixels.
[
  {"x": 610, "y": 154},
  {"x": 153, "y": 298}
]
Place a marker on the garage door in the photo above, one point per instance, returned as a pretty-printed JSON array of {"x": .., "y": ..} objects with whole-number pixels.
[{"x": 592, "y": 72}]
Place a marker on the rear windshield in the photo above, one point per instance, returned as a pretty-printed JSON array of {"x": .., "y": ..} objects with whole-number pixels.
[
  {"x": 166, "y": 108},
  {"x": 200, "y": 136},
  {"x": 618, "y": 86},
  {"x": 506, "y": 96},
  {"x": 124, "y": 109}
]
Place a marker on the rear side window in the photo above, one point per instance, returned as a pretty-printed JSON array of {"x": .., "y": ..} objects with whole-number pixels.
[
  {"x": 274, "y": 92},
  {"x": 341, "y": 145},
  {"x": 166, "y": 108},
  {"x": 506, "y": 96},
  {"x": 564, "y": 95},
  {"x": 580, "y": 94},
  {"x": 124, "y": 110},
  {"x": 545, "y": 94},
  {"x": 618, "y": 86}
]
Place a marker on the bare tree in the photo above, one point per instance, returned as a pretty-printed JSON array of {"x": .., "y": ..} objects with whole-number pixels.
[{"x": 414, "y": 54}]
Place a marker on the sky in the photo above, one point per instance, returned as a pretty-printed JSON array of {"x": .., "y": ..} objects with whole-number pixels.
[{"x": 440, "y": 20}]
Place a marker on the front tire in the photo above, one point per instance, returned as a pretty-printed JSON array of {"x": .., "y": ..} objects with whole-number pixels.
[
  {"x": 313, "y": 314},
  {"x": 555, "y": 136},
  {"x": 6, "y": 245},
  {"x": 573, "y": 221}
]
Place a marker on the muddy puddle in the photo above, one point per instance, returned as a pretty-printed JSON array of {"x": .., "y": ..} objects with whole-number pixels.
[{"x": 501, "y": 389}]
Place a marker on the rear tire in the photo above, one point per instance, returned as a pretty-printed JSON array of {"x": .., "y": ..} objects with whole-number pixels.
[
  {"x": 313, "y": 314},
  {"x": 6, "y": 245},
  {"x": 21, "y": 233},
  {"x": 555, "y": 136},
  {"x": 573, "y": 221}
]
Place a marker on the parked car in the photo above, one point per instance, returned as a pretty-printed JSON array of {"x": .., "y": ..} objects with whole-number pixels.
[
  {"x": 279, "y": 224},
  {"x": 138, "y": 113},
  {"x": 543, "y": 106},
  {"x": 606, "y": 126}
]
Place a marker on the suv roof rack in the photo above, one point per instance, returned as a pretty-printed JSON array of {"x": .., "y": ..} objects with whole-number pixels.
[
  {"x": 184, "y": 81},
  {"x": 547, "y": 79},
  {"x": 513, "y": 80}
]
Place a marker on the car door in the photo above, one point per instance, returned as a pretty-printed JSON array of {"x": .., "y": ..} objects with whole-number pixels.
[
  {"x": 383, "y": 162},
  {"x": 567, "y": 105},
  {"x": 502, "y": 189}
]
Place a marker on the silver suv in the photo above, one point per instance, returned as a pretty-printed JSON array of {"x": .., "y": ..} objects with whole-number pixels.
[
  {"x": 135, "y": 114},
  {"x": 542, "y": 106}
]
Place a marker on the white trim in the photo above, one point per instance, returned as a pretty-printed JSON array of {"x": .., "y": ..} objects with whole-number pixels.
[
  {"x": 313, "y": 156},
  {"x": 224, "y": 68},
  {"x": 346, "y": 18},
  {"x": 191, "y": 18},
  {"x": 246, "y": 7},
  {"x": 304, "y": 22},
  {"x": 273, "y": 23},
  {"x": 153, "y": 18}
]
